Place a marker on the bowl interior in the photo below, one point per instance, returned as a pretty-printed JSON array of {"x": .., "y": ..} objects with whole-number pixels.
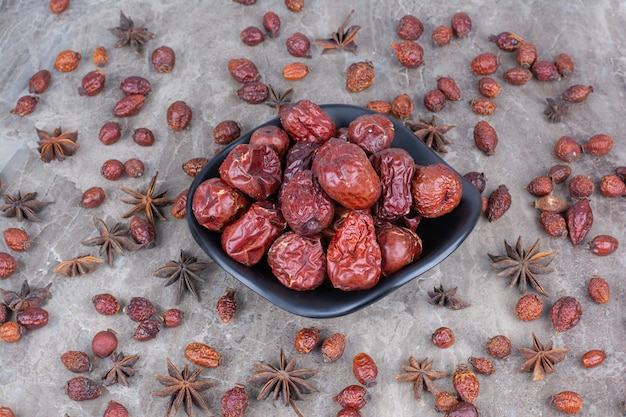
[{"x": 440, "y": 236}]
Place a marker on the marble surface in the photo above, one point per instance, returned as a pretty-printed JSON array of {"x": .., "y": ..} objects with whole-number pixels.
[{"x": 205, "y": 37}]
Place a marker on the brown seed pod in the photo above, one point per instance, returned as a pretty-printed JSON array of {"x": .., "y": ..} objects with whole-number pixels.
[
  {"x": 559, "y": 173},
  {"x": 553, "y": 224},
  {"x": 526, "y": 55},
  {"x": 564, "y": 65},
  {"x": 499, "y": 347},
  {"x": 545, "y": 71},
  {"x": 179, "y": 115},
  {"x": 179, "y": 206},
  {"x": 59, "y": 6},
  {"x": 442, "y": 35},
  {"x": 567, "y": 149},
  {"x": 306, "y": 339},
  {"x": 445, "y": 401},
  {"x": 252, "y": 36},
  {"x": 449, "y": 88},
  {"x": 226, "y": 306},
  {"x": 271, "y": 23},
  {"x": 592, "y": 358},
  {"x": 104, "y": 343},
  {"x": 8, "y": 265},
  {"x": 461, "y": 24},
  {"x": 489, "y": 87},
  {"x": 529, "y": 307},
  {"x": 243, "y": 70},
  {"x": 409, "y": 28},
  {"x": 568, "y": 402},
  {"x": 483, "y": 366},
  {"x": 540, "y": 186},
  {"x": 147, "y": 330},
  {"x": 129, "y": 105},
  {"x": 465, "y": 383},
  {"x": 552, "y": 204},
  {"x": 25, "y": 105},
  {"x": 100, "y": 56},
  {"x": 298, "y": 45},
  {"x": 598, "y": 145},
  {"x": 163, "y": 59},
  {"x": 17, "y": 239},
  {"x": 226, "y": 131},
  {"x": 565, "y": 313},
  {"x": 507, "y": 41},
  {"x": 603, "y": 245},
  {"x": 380, "y": 106},
  {"x": 579, "y": 219},
  {"x": 599, "y": 290},
  {"x": 110, "y": 132},
  {"x": 143, "y": 232},
  {"x": 498, "y": 204},
  {"x": 67, "y": 61},
  {"x": 172, "y": 317},
  {"x": 11, "y": 332},
  {"x": 235, "y": 401},
  {"x": 294, "y": 5},
  {"x": 360, "y": 75},
  {"x": 364, "y": 369},
  {"x": 443, "y": 337},
  {"x": 577, "y": 93},
  {"x": 135, "y": 85},
  {"x": 143, "y": 137},
  {"x": 92, "y": 83},
  {"x": 402, "y": 106},
  {"x": 483, "y": 106},
  {"x": 612, "y": 186},
  {"x": 39, "y": 82},
  {"x": 32, "y": 318},
  {"x": 517, "y": 76},
  {"x": 352, "y": 396},
  {"x": 202, "y": 355},
  {"x": 115, "y": 409},
  {"x": 134, "y": 168},
  {"x": 193, "y": 166},
  {"x": 410, "y": 54},
  {"x": 112, "y": 169},
  {"x": 580, "y": 186},
  {"x": 435, "y": 100},
  {"x": 139, "y": 309},
  {"x": 485, "y": 64},
  {"x": 76, "y": 361},
  {"x": 485, "y": 137},
  {"x": 81, "y": 388},
  {"x": 295, "y": 71},
  {"x": 333, "y": 347},
  {"x": 106, "y": 304},
  {"x": 253, "y": 92},
  {"x": 478, "y": 180}
]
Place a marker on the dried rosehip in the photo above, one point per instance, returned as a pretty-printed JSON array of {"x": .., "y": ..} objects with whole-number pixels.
[
  {"x": 579, "y": 219},
  {"x": 76, "y": 361},
  {"x": 333, "y": 347},
  {"x": 568, "y": 402},
  {"x": 253, "y": 92},
  {"x": 598, "y": 145},
  {"x": 529, "y": 307},
  {"x": 225, "y": 132},
  {"x": 272, "y": 136},
  {"x": 401, "y": 107},
  {"x": 252, "y": 36},
  {"x": 478, "y": 180},
  {"x": 59, "y": 6},
  {"x": 364, "y": 369},
  {"x": 559, "y": 173},
  {"x": 463, "y": 409},
  {"x": 599, "y": 290},
  {"x": 499, "y": 347},
  {"x": 81, "y": 388},
  {"x": 507, "y": 41},
  {"x": 298, "y": 262},
  {"x": 92, "y": 83},
  {"x": 193, "y": 166},
  {"x": 25, "y": 105},
  {"x": 143, "y": 232},
  {"x": 306, "y": 339},
  {"x": 399, "y": 246},
  {"x": 485, "y": 137},
  {"x": 410, "y": 54},
  {"x": 485, "y": 64},
  {"x": 202, "y": 355},
  {"x": 39, "y": 82},
  {"x": 147, "y": 330},
  {"x": 465, "y": 383},
  {"x": 577, "y": 93},
  {"x": 17, "y": 239},
  {"x": 106, "y": 304},
  {"x": 567, "y": 149},
  {"x": 551, "y": 203},
  {"x": 115, "y": 409},
  {"x": 235, "y": 402},
  {"x": 442, "y": 35},
  {"x": 592, "y": 358},
  {"x": 483, "y": 106},
  {"x": 110, "y": 132},
  {"x": 11, "y": 332},
  {"x": 134, "y": 168},
  {"x": 294, "y": 5},
  {"x": 226, "y": 306},
  {"x": 603, "y": 245},
  {"x": 435, "y": 100},
  {"x": 179, "y": 206},
  {"x": 243, "y": 70},
  {"x": 381, "y": 106},
  {"x": 352, "y": 396},
  {"x": 359, "y": 76},
  {"x": 295, "y": 71},
  {"x": 8, "y": 265},
  {"x": 564, "y": 65},
  {"x": 545, "y": 71},
  {"x": 443, "y": 337},
  {"x": 139, "y": 309},
  {"x": 32, "y": 318},
  {"x": 488, "y": 87},
  {"x": 449, "y": 88},
  {"x": 349, "y": 412},
  {"x": 298, "y": 45},
  {"x": 498, "y": 204},
  {"x": 172, "y": 317},
  {"x": 483, "y": 366},
  {"x": 517, "y": 76},
  {"x": 612, "y": 186},
  {"x": 540, "y": 186},
  {"x": 135, "y": 85},
  {"x": 553, "y": 224},
  {"x": 526, "y": 55},
  {"x": 67, "y": 61},
  {"x": 565, "y": 313},
  {"x": 179, "y": 115},
  {"x": 104, "y": 343},
  {"x": 100, "y": 56},
  {"x": 580, "y": 186},
  {"x": 409, "y": 28},
  {"x": 461, "y": 24},
  {"x": 143, "y": 137},
  {"x": 129, "y": 105},
  {"x": 216, "y": 204},
  {"x": 163, "y": 59},
  {"x": 4, "y": 313},
  {"x": 112, "y": 169},
  {"x": 271, "y": 23}
]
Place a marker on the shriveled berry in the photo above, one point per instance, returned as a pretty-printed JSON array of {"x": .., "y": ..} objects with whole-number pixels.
[
  {"x": 143, "y": 137},
  {"x": 110, "y": 132},
  {"x": 226, "y": 131},
  {"x": 306, "y": 339},
  {"x": 598, "y": 145},
  {"x": 526, "y": 55},
  {"x": 364, "y": 369},
  {"x": 112, "y": 169},
  {"x": 76, "y": 361},
  {"x": 193, "y": 166},
  {"x": 163, "y": 59},
  {"x": 483, "y": 106},
  {"x": 235, "y": 401},
  {"x": 565, "y": 313},
  {"x": 568, "y": 402},
  {"x": 179, "y": 206},
  {"x": 410, "y": 54},
  {"x": 603, "y": 245},
  {"x": 579, "y": 218},
  {"x": 11, "y": 332},
  {"x": 580, "y": 186},
  {"x": 139, "y": 309},
  {"x": 577, "y": 93},
  {"x": 465, "y": 383},
  {"x": 449, "y": 88},
  {"x": 295, "y": 71},
  {"x": 243, "y": 70},
  {"x": 135, "y": 85},
  {"x": 489, "y": 87},
  {"x": 100, "y": 56},
  {"x": 59, "y": 6},
  {"x": 298, "y": 45},
  {"x": 252, "y": 36},
  {"x": 4, "y": 313},
  {"x": 294, "y": 5},
  {"x": 442, "y": 35},
  {"x": 540, "y": 186},
  {"x": 106, "y": 304},
  {"x": 67, "y": 61},
  {"x": 434, "y": 100},
  {"x": 445, "y": 401},
  {"x": 352, "y": 396},
  {"x": 461, "y": 24},
  {"x": 553, "y": 224},
  {"x": 463, "y": 409},
  {"x": 559, "y": 173},
  {"x": 612, "y": 186},
  {"x": 349, "y": 412},
  {"x": 564, "y": 65},
  {"x": 147, "y": 330},
  {"x": 134, "y": 168},
  {"x": 92, "y": 84},
  {"x": 567, "y": 149},
  {"x": 253, "y": 92},
  {"x": 592, "y": 358},
  {"x": 179, "y": 115},
  {"x": 104, "y": 343},
  {"x": 271, "y": 23},
  {"x": 202, "y": 355},
  {"x": 485, "y": 64},
  {"x": 599, "y": 290},
  {"x": 226, "y": 306},
  {"x": 499, "y": 202},
  {"x": 172, "y": 317},
  {"x": 529, "y": 307},
  {"x": 402, "y": 106},
  {"x": 380, "y": 106},
  {"x": 545, "y": 71},
  {"x": 478, "y": 180},
  {"x": 409, "y": 28},
  {"x": 499, "y": 347},
  {"x": 483, "y": 366},
  {"x": 443, "y": 337},
  {"x": 25, "y": 105},
  {"x": 81, "y": 388},
  {"x": 551, "y": 203},
  {"x": 359, "y": 76},
  {"x": 32, "y": 318},
  {"x": 333, "y": 347},
  {"x": 129, "y": 105},
  {"x": 507, "y": 41},
  {"x": 485, "y": 137},
  {"x": 115, "y": 409},
  {"x": 517, "y": 76},
  {"x": 17, "y": 239},
  {"x": 39, "y": 82},
  {"x": 8, "y": 265}
]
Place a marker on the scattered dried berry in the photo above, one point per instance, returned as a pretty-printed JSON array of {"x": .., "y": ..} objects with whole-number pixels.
[
  {"x": 17, "y": 239},
  {"x": 295, "y": 71},
  {"x": 134, "y": 168},
  {"x": 193, "y": 166},
  {"x": 115, "y": 409},
  {"x": 32, "y": 318},
  {"x": 540, "y": 186},
  {"x": 485, "y": 64},
  {"x": 485, "y": 137},
  {"x": 143, "y": 137},
  {"x": 143, "y": 232},
  {"x": 25, "y": 105},
  {"x": 545, "y": 71},
  {"x": 409, "y": 28},
  {"x": 139, "y": 309},
  {"x": 483, "y": 366},
  {"x": 553, "y": 224},
  {"x": 551, "y": 203},
  {"x": 178, "y": 115},
  {"x": 333, "y": 347},
  {"x": 306, "y": 339},
  {"x": 435, "y": 100},
  {"x": 498, "y": 204},
  {"x": 59, "y": 6},
  {"x": 612, "y": 186},
  {"x": 483, "y": 106},
  {"x": 461, "y": 24},
  {"x": 135, "y": 85},
  {"x": 110, "y": 132},
  {"x": 179, "y": 206},
  {"x": 11, "y": 332},
  {"x": 567, "y": 149},
  {"x": 526, "y": 55},
  {"x": 564, "y": 65},
  {"x": 172, "y": 317},
  {"x": 163, "y": 59},
  {"x": 463, "y": 409},
  {"x": 478, "y": 180},
  {"x": 92, "y": 83},
  {"x": 410, "y": 54},
  {"x": 443, "y": 337},
  {"x": 81, "y": 388},
  {"x": 67, "y": 61},
  {"x": 235, "y": 401},
  {"x": 112, "y": 169},
  {"x": 599, "y": 290},
  {"x": 402, "y": 106},
  {"x": 349, "y": 412},
  {"x": 352, "y": 396},
  {"x": 442, "y": 35},
  {"x": 517, "y": 76},
  {"x": 577, "y": 93},
  {"x": 39, "y": 82},
  {"x": 603, "y": 245},
  {"x": 76, "y": 361},
  {"x": 106, "y": 304},
  {"x": 565, "y": 313},
  {"x": 364, "y": 369},
  {"x": 465, "y": 383},
  {"x": 252, "y": 36},
  {"x": 580, "y": 186},
  {"x": 147, "y": 330},
  {"x": 529, "y": 307},
  {"x": 579, "y": 219},
  {"x": 294, "y": 5},
  {"x": 592, "y": 358},
  {"x": 568, "y": 402},
  {"x": 104, "y": 343},
  {"x": 499, "y": 347},
  {"x": 559, "y": 173},
  {"x": 489, "y": 87},
  {"x": 271, "y": 23},
  {"x": 129, "y": 105},
  {"x": 298, "y": 45},
  {"x": 253, "y": 92},
  {"x": 100, "y": 56},
  {"x": 227, "y": 306},
  {"x": 380, "y": 106},
  {"x": 598, "y": 145},
  {"x": 507, "y": 41},
  {"x": 202, "y": 355},
  {"x": 359, "y": 76}
]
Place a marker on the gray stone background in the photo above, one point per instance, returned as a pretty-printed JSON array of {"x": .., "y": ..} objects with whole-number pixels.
[{"x": 205, "y": 35}]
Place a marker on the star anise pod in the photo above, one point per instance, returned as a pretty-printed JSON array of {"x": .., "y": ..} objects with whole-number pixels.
[
  {"x": 554, "y": 111},
  {"x": 446, "y": 298},
  {"x": 183, "y": 387},
  {"x": 540, "y": 359},
  {"x": 129, "y": 35},
  {"x": 283, "y": 380},
  {"x": 278, "y": 99},
  {"x": 146, "y": 202},
  {"x": 184, "y": 272},
  {"x": 26, "y": 297},
  {"x": 342, "y": 39},
  {"x": 430, "y": 133},
  {"x": 111, "y": 241},
  {"x": 523, "y": 265},
  {"x": 77, "y": 266},
  {"x": 56, "y": 146},
  {"x": 421, "y": 375},
  {"x": 22, "y": 207},
  {"x": 122, "y": 368}
]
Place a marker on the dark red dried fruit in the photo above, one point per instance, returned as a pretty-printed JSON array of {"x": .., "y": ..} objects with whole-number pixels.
[
  {"x": 140, "y": 309},
  {"x": 551, "y": 203},
  {"x": 129, "y": 105},
  {"x": 580, "y": 186},
  {"x": 226, "y": 131},
  {"x": 298, "y": 262},
  {"x": 333, "y": 347},
  {"x": 243, "y": 70},
  {"x": 226, "y": 306},
  {"x": 193, "y": 166},
  {"x": 409, "y": 28},
  {"x": 179, "y": 206},
  {"x": 92, "y": 83},
  {"x": 507, "y": 41},
  {"x": 485, "y": 64},
  {"x": 352, "y": 396},
  {"x": 253, "y": 169},
  {"x": 143, "y": 232},
  {"x": 295, "y": 71},
  {"x": 359, "y": 76},
  {"x": 442, "y": 35},
  {"x": 134, "y": 168},
  {"x": 253, "y": 92},
  {"x": 179, "y": 115},
  {"x": 82, "y": 388},
  {"x": 235, "y": 402},
  {"x": 8, "y": 265},
  {"x": 461, "y": 24},
  {"x": 307, "y": 208},
  {"x": 603, "y": 245},
  {"x": 106, "y": 304},
  {"x": 305, "y": 121},
  {"x": 612, "y": 186},
  {"x": 545, "y": 71},
  {"x": 39, "y": 82},
  {"x": 306, "y": 339},
  {"x": 110, "y": 132},
  {"x": 59, "y": 6},
  {"x": 112, "y": 169},
  {"x": 364, "y": 369},
  {"x": 466, "y": 383},
  {"x": 104, "y": 343},
  {"x": 565, "y": 313},
  {"x": 147, "y": 330},
  {"x": 17, "y": 239},
  {"x": 252, "y": 36},
  {"x": 216, "y": 204},
  {"x": 67, "y": 61},
  {"x": 143, "y": 137},
  {"x": 163, "y": 59},
  {"x": 564, "y": 65},
  {"x": 135, "y": 85},
  {"x": 435, "y": 100},
  {"x": 349, "y": 412},
  {"x": 499, "y": 347},
  {"x": 172, "y": 317},
  {"x": 401, "y": 107},
  {"x": 579, "y": 219},
  {"x": 529, "y": 307},
  {"x": 294, "y": 5},
  {"x": 478, "y": 180},
  {"x": 559, "y": 173},
  {"x": 399, "y": 247},
  {"x": 115, "y": 409},
  {"x": 540, "y": 186},
  {"x": 498, "y": 204},
  {"x": 567, "y": 149},
  {"x": 485, "y": 137},
  {"x": 526, "y": 55},
  {"x": 443, "y": 337},
  {"x": 410, "y": 54},
  {"x": 553, "y": 224},
  {"x": 483, "y": 106},
  {"x": 592, "y": 358},
  {"x": 598, "y": 145},
  {"x": 483, "y": 366},
  {"x": 100, "y": 56},
  {"x": 463, "y": 409},
  {"x": 298, "y": 45},
  {"x": 436, "y": 190},
  {"x": 517, "y": 76},
  {"x": 489, "y": 87},
  {"x": 599, "y": 290},
  {"x": 272, "y": 136},
  {"x": 76, "y": 361},
  {"x": 271, "y": 23},
  {"x": 25, "y": 105},
  {"x": 577, "y": 93},
  {"x": 569, "y": 402},
  {"x": 32, "y": 318}
]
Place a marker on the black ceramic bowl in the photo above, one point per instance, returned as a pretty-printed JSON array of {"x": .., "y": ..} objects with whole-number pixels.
[{"x": 440, "y": 237}]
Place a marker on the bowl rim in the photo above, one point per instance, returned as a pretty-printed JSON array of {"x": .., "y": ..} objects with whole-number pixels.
[{"x": 338, "y": 303}]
